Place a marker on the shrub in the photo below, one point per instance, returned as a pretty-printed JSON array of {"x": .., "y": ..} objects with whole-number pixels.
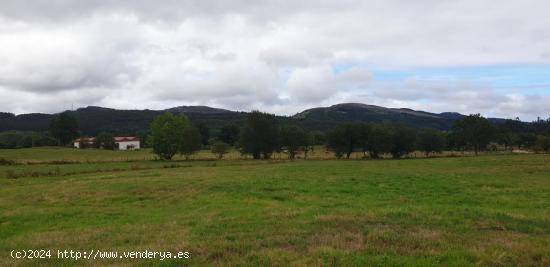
[
  {"x": 543, "y": 143},
  {"x": 220, "y": 148},
  {"x": 4, "y": 161}
]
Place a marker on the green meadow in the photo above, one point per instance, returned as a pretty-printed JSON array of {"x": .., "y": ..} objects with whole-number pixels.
[{"x": 490, "y": 210}]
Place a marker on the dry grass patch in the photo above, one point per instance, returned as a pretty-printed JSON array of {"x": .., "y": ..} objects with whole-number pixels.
[
  {"x": 341, "y": 240},
  {"x": 502, "y": 247},
  {"x": 421, "y": 241}
]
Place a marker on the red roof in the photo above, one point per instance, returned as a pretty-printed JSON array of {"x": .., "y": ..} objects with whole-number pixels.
[
  {"x": 87, "y": 139},
  {"x": 117, "y": 139},
  {"x": 126, "y": 138}
]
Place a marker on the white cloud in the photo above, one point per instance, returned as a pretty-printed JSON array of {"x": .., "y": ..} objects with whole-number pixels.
[
  {"x": 279, "y": 56},
  {"x": 85, "y": 54}
]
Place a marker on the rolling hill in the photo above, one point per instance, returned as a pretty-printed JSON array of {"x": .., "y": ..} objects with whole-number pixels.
[
  {"x": 93, "y": 120},
  {"x": 326, "y": 117}
]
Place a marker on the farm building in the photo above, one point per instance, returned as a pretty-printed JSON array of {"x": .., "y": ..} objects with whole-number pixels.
[
  {"x": 127, "y": 142},
  {"x": 84, "y": 142},
  {"x": 121, "y": 142}
]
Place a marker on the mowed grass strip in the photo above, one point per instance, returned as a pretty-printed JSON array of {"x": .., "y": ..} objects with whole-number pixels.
[
  {"x": 487, "y": 210},
  {"x": 63, "y": 155}
]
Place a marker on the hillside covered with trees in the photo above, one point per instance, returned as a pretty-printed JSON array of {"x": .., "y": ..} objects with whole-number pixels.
[
  {"x": 93, "y": 120},
  {"x": 342, "y": 128}
]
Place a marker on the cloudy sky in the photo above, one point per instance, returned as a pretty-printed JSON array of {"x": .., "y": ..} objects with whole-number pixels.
[{"x": 471, "y": 56}]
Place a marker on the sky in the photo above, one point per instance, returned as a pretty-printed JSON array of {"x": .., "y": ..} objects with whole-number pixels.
[{"x": 282, "y": 56}]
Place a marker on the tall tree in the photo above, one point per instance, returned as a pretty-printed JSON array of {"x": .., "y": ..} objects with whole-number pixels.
[
  {"x": 318, "y": 138},
  {"x": 105, "y": 140},
  {"x": 403, "y": 140},
  {"x": 191, "y": 141},
  {"x": 474, "y": 131},
  {"x": 229, "y": 134},
  {"x": 64, "y": 128},
  {"x": 260, "y": 135},
  {"x": 431, "y": 141},
  {"x": 543, "y": 143},
  {"x": 143, "y": 135},
  {"x": 344, "y": 139},
  {"x": 526, "y": 140},
  {"x": 379, "y": 141},
  {"x": 204, "y": 131},
  {"x": 294, "y": 139},
  {"x": 167, "y": 134},
  {"x": 506, "y": 133}
]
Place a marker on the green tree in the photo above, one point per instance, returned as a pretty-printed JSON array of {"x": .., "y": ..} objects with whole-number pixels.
[
  {"x": 403, "y": 140},
  {"x": 526, "y": 140},
  {"x": 167, "y": 134},
  {"x": 260, "y": 135},
  {"x": 431, "y": 141},
  {"x": 474, "y": 131},
  {"x": 294, "y": 139},
  {"x": 191, "y": 141},
  {"x": 338, "y": 143},
  {"x": 346, "y": 138},
  {"x": 379, "y": 141},
  {"x": 64, "y": 128},
  {"x": 318, "y": 138},
  {"x": 10, "y": 140},
  {"x": 143, "y": 135},
  {"x": 204, "y": 132},
  {"x": 505, "y": 133},
  {"x": 543, "y": 143},
  {"x": 309, "y": 145},
  {"x": 27, "y": 141},
  {"x": 229, "y": 134},
  {"x": 220, "y": 148},
  {"x": 105, "y": 140},
  {"x": 43, "y": 140}
]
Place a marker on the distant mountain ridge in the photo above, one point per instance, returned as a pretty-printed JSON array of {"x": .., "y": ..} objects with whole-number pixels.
[
  {"x": 324, "y": 117},
  {"x": 346, "y": 107},
  {"x": 198, "y": 109},
  {"x": 93, "y": 119}
]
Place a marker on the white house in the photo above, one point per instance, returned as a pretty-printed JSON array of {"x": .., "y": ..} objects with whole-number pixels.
[
  {"x": 127, "y": 142},
  {"x": 121, "y": 142}
]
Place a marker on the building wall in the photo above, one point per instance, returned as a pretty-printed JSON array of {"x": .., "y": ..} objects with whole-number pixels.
[
  {"x": 77, "y": 144},
  {"x": 124, "y": 145}
]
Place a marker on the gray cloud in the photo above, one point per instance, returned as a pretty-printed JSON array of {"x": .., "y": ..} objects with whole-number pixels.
[{"x": 281, "y": 56}]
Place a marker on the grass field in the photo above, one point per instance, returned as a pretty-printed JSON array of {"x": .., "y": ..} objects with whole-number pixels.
[
  {"x": 455, "y": 211},
  {"x": 57, "y": 155}
]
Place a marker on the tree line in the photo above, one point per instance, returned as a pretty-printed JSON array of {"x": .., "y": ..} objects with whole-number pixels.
[
  {"x": 63, "y": 129},
  {"x": 262, "y": 134}
]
